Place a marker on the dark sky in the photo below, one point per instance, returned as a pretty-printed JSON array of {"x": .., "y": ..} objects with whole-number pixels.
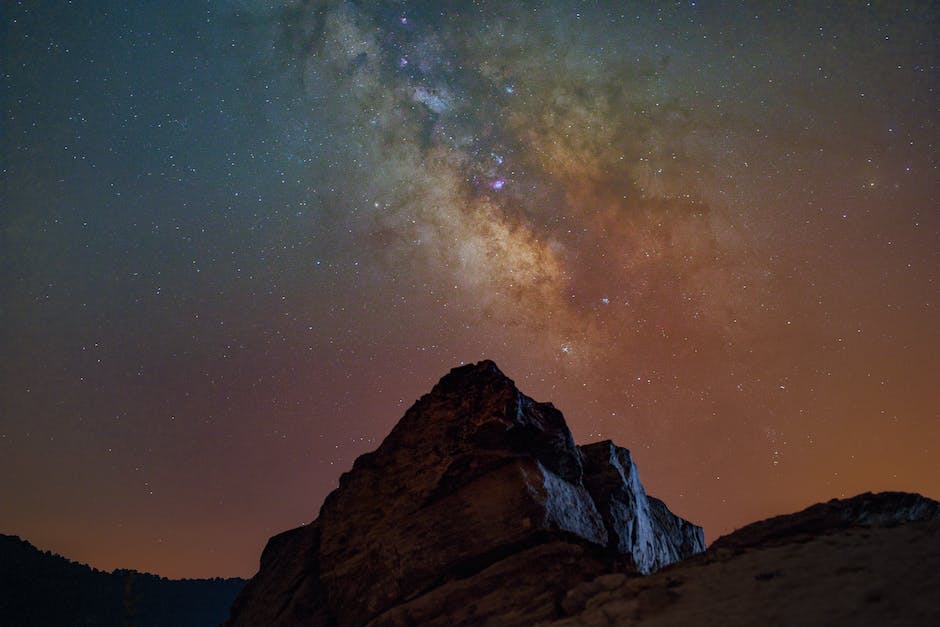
[{"x": 238, "y": 239}]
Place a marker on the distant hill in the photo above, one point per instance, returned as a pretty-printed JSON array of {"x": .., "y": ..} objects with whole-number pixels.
[{"x": 39, "y": 588}]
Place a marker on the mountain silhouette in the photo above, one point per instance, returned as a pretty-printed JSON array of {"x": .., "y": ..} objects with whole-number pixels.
[{"x": 39, "y": 589}]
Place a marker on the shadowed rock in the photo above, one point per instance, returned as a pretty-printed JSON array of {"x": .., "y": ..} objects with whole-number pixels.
[
  {"x": 884, "y": 509},
  {"x": 478, "y": 499}
]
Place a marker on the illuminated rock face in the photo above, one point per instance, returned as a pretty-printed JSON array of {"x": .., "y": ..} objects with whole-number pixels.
[
  {"x": 477, "y": 506},
  {"x": 638, "y": 525}
]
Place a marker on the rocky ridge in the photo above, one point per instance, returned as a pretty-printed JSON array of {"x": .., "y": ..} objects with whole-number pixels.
[
  {"x": 477, "y": 507},
  {"x": 884, "y": 509},
  {"x": 873, "y": 559}
]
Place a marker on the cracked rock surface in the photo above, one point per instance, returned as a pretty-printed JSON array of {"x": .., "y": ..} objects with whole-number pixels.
[{"x": 477, "y": 507}]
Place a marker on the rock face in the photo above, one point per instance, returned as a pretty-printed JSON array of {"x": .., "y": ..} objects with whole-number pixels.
[
  {"x": 873, "y": 559},
  {"x": 477, "y": 507},
  {"x": 637, "y": 525}
]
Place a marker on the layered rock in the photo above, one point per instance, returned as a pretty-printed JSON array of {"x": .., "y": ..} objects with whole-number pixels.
[{"x": 477, "y": 485}]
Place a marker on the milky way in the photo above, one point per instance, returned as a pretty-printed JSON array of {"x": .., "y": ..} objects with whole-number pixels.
[
  {"x": 240, "y": 238},
  {"x": 538, "y": 179}
]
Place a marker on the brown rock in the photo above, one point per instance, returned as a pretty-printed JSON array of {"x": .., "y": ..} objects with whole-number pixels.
[
  {"x": 869, "y": 510},
  {"x": 474, "y": 508}
]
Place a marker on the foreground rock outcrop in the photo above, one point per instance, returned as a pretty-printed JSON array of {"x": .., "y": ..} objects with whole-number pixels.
[
  {"x": 873, "y": 559},
  {"x": 477, "y": 507}
]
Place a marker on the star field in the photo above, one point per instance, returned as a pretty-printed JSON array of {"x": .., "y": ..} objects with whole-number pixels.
[{"x": 240, "y": 238}]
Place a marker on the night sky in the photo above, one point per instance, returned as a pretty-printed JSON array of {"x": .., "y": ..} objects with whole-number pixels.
[{"x": 239, "y": 238}]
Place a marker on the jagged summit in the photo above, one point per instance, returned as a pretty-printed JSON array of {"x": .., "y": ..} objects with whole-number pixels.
[
  {"x": 477, "y": 486},
  {"x": 479, "y": 508},
  {"x": 472, "y": 373}
]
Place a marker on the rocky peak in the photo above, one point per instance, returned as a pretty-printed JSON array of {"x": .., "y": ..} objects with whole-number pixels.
[
  {"x": 477, "y": 410},
  {"x": 477, "y": 483}
]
